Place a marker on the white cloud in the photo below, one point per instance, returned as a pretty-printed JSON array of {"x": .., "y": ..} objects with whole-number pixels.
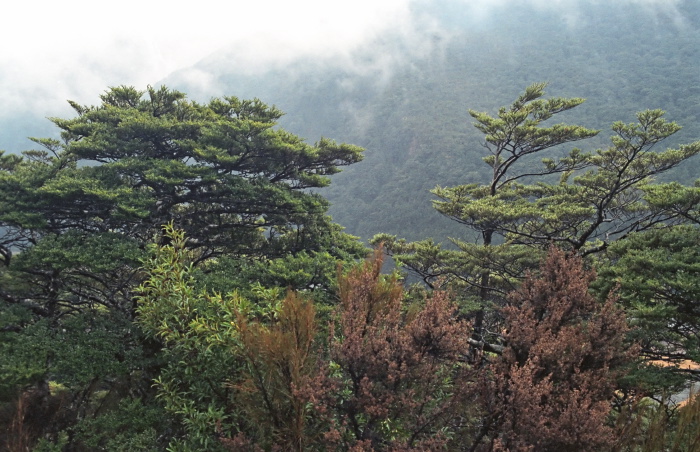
[
  {"x": 53, "y": 50},
  {"x": 73, "y": 49}
]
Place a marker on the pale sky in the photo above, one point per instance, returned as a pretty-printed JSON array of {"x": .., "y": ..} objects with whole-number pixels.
[
  {"x": 54, "y": 50},
  {"x": 74, "y": 49}
]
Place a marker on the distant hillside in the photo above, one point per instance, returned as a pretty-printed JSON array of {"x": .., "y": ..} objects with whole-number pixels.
[
  {"x": 412, "y": 114},
  {"x": 15, "y": 130},
  {"x": 405, "y": 97}
]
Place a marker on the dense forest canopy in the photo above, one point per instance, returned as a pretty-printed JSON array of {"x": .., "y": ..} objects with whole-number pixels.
[
  {"x": 177, "y": 270},
  {"x": 143, "y": 295}
]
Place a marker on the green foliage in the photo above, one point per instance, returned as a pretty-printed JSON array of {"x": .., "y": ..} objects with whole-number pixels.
[
  {"x": 198, "y": 333},
  {"x": 23, "y": 359},
  {"x": 312, "y": 271},
  {"x": 520, "y": 212},
  {"x": 75, "y": 219},
  {"x": 495, "y": 210},
  {"x": 216, "y": 169},
  {"x": 248, "y": 374},
  {"x": 131, "y": 426},
  {"x": 86, "y": 346},
  {"x": 681, "y": 201},
  {"x": 222, "y": 353},
  {"x": 656, "y": 274},
  {"x": 45, "y": 445},
  {"x": 583, "y": 212}
]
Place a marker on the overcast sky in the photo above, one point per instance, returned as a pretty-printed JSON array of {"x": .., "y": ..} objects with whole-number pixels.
[{"x": 53, "y": 50}]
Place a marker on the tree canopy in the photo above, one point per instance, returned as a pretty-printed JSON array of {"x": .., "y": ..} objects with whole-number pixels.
[
  {"x": 599, "y": 196},
  {"x": 221, "y": 170},
  {"x": 170, "y": 280},
  {"x": 77, "y": 215}
]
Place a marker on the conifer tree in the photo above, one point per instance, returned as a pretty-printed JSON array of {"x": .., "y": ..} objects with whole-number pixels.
[
  {"x": 239, "y": 375},
  {"x": 397, "y": 381},
  {"x": 77, "y": 215},
  {"x": 598, "y": 198},
  {"x": 551, "y": 388}
]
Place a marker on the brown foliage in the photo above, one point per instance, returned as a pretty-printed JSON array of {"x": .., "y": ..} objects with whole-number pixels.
[
  {"x": 391, "y": 378},
  {"x": 394, "y": 379},
  {"x": 384, "y": 379},
  {"x": 280, "y": 365},
  {"x": 647, "y": 425},
  {"x": 550, "y": 390},
  {"x": 34, "y": 414}
]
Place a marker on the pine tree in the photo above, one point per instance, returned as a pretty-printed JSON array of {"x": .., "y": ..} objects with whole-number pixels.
[{"x": 551, "y": 388}]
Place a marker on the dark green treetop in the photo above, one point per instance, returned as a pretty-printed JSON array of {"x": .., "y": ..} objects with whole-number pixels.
[
  {"x": 598, "y": 198},
  {"x": 221, "y": 170},
  {"x": 76, "y": 216}
]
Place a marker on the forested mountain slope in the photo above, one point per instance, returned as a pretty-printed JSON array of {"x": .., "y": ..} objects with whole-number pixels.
[
  {"x": 405, "y": 97},
  {"x": 406, "y": 103}
]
